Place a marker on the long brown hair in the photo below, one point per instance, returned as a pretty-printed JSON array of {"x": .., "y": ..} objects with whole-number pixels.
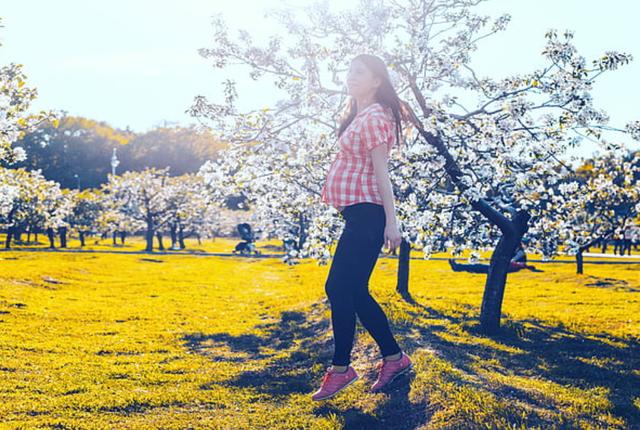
[{"x": 385, "y": 95}]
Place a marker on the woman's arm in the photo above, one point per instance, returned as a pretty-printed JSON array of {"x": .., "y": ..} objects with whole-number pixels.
[{"x": 379, "y": 158}]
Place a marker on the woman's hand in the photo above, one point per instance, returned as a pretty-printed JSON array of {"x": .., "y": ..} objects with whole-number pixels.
[{"x": 392, "y": 237}]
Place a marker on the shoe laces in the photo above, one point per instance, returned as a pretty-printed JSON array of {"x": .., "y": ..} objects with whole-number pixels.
[
  {"x": 327, "y": 378},
  {"x": 381, "y": 364},
  {"x": 327, "y": 375}
]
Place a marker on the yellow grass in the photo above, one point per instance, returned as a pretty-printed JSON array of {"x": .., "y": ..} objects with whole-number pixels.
[{"x": 108, "y": 340}]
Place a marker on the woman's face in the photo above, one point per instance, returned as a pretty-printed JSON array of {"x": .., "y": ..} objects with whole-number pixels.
[{"x": 360, "y": 80}]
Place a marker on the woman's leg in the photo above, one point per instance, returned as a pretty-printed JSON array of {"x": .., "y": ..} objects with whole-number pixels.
[
  {"x": 369, "y": 312},
  {"x": 347, "y": 283},
  {"x": 338, "y": 288}
]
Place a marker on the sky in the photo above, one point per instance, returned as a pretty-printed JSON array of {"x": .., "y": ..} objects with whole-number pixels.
[{"x": 134, "y": 63}]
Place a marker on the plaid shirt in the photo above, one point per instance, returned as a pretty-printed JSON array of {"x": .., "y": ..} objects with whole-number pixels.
[{"x": 351, "y": 177}]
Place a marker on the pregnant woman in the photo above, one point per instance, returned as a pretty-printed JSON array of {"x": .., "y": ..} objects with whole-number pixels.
[{"x": 358, "y": 185}]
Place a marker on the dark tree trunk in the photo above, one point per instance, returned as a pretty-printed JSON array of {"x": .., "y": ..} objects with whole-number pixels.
[
  {"x": 52, "y": 237},
  {"x": 173, "y": 235},
  {"x": 81, "y": 234},
  {"x": 159, "y": 237},
  {"x": 149, "y": 236},
  {"x": 123, "y": 235},
  {"x": 63, "y": 237},
  {"x": 181, "y": 237},
  {"x": 579, "y": 263},
  {"x": 113, "y": 237},
  {"x": 493, "y": 296},
  {"x": 29, "y": 236},
  {"x": 402, "y": 285},
  {"x": 302, "y": 237},
  {"x": 7, "y": 243}
]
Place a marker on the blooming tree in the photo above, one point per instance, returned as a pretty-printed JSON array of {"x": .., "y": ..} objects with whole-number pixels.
[
  {"x": 86, "y": 210},
  {"x": 602, "y": 201},
  {"x": 38, "y": 204},
  {"x": 470, "y": 177},
  {"x": 190, "y": 211},
  {"x": 141, "y": 198},
  {"x": 15, "y": 99}
]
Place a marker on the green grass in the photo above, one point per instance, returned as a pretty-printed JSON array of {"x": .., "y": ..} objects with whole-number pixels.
[{"x": 107, "y": 340}]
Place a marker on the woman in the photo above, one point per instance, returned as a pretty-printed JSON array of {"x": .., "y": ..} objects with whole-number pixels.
[{"x": 358, "y": 185}]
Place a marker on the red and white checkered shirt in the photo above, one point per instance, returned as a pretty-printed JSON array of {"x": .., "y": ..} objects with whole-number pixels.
[{"x": 351, "y": 177}]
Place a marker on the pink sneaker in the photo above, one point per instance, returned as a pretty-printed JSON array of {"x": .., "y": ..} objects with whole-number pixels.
[
  {"x": 389, "y": 370},
  {"x": 333, "y": 382}
]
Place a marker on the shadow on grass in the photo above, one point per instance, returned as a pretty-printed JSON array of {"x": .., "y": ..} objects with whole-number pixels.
[
  {"x": 552, "y": 353},
  {"x": 281, "y": 376},
  {"x": 306, "y": 340},
  {"x": 549, "y": 353}
]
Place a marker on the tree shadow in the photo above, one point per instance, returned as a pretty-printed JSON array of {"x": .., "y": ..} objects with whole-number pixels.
[
  {"x": 553, "y": 353},
  {"x": 293, "y": 346},
  {"x": 610, "y": 283}
]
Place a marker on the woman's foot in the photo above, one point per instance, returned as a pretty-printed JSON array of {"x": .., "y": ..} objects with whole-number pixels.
[
  {"x": 334, "y": 382},
  {"x": 388, "y": 370}
]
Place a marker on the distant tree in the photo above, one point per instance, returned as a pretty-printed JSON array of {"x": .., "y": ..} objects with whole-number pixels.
[
  {"x": 87, "y": 206},
  {"x": 37, "y": 205},
  {"x": 77, "y": 146},
  {"x": 190, "y": 210},
  {"x": 183, "y": 149},
  {"x": 606, "y": 202},
  {"x": 141, "y": 197}
]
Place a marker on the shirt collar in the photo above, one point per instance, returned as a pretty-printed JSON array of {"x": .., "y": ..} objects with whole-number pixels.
[{"x": 367, "y": 108}]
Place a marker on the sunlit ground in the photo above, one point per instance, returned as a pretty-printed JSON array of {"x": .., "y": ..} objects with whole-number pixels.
[{"x": 112, "y": 340}]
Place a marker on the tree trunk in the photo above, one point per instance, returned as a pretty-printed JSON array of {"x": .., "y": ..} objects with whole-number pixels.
[
  {"x": 493, "y": 296},
  {"x": 149, "y": 237},
  {"x": 302, "y": 237},
  {"x": 173, "y": 235},
  {"x": 81, "y": 233},
  {"x": 123, "y": 234},
  {"x": 159, "y": 237},
  {"x": 113, "y": 236},
  {"x": 579, "y": 262},
  {"x": 52, "y": 237},
  {"x": 29, "y": 236},
  {"x": 402, "y": 286},
  {"x": 63, "y": 237},
  {"x": 181, "y": 237},
  {"x": 7, "y": 243}
]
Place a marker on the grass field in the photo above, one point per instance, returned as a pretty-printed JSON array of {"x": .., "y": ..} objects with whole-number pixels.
[{"x": 108, "y": 340}]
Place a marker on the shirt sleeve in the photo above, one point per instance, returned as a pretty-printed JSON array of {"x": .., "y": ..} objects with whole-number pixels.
[{"x": 376, "y": 131}]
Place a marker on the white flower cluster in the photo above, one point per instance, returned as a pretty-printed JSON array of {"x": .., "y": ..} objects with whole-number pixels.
[{"x": 633, "y": 128}]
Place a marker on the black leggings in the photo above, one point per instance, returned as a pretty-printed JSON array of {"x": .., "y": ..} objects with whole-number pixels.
[{"x": 347, "y": 284}]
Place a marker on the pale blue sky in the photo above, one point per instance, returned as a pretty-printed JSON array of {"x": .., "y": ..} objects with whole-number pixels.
[{"x": 135, "y": 62}]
